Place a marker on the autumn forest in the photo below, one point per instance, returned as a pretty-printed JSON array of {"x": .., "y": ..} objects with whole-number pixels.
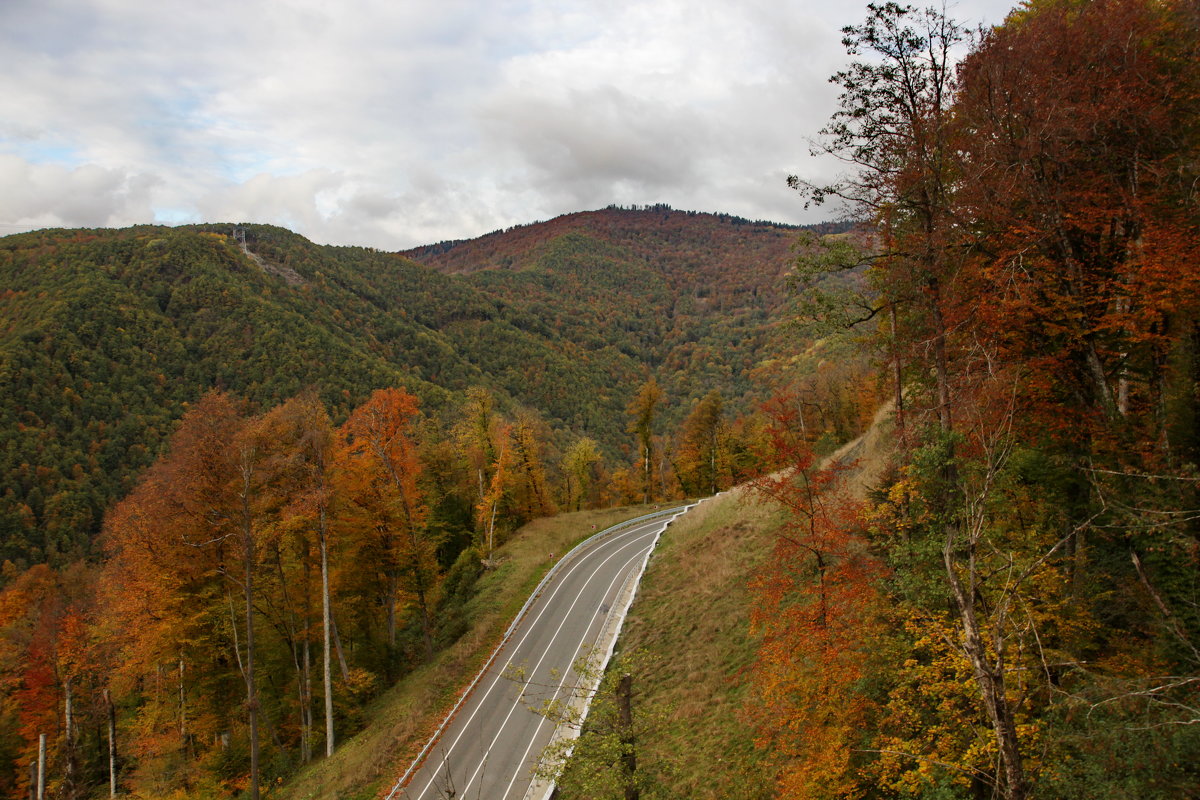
[{"x": 249, "y": 483}]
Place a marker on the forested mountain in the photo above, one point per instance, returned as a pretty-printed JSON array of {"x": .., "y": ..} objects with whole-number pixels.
[
  {"x": 1001, "y": 602},
  {"x": 692, "y": 296},
  {"x": 225, "y": 449},
  {"x": 107, "y": 335}
]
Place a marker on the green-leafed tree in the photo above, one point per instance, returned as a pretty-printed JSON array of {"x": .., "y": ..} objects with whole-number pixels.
[
  {"x": 642, "y": 410},
  {"x": 702, "y": 452}
]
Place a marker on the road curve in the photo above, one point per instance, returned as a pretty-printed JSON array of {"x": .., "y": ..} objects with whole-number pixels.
[{"x": 490, "y": 747}]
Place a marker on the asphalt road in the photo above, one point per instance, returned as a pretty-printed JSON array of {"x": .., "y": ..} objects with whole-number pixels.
[{"x": 491, "y": 746}]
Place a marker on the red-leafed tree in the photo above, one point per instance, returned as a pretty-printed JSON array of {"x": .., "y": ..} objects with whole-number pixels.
[
  {"x": 1071, "y": 178},
  {"x": 816, "y": 610},
  {"x": 50, "y": 670},
  {"x": 1037, "y": 243}
]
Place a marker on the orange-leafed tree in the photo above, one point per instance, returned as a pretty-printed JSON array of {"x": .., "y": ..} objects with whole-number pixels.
[
  {"x": 528, "y": 436},
  {"x": 300, "y": 478},
  {"x": 379, "y": 470},
  {"x": 578, "y": 468},
  {"x": 816, "y": 610},
  {"x": 477, "y": 434},
  {"x": 490, "y": 502},
  {"x": 487, "y": 442},
  {"x": 182, "y": 546},
  {"x": 49, "y": 672},
  {"x": 702, "y": 451}
]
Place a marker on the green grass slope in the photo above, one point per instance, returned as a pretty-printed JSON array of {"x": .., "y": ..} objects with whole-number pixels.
[
  {"x": 687, "y": 641},
  {"x": 688, "y": 644}
]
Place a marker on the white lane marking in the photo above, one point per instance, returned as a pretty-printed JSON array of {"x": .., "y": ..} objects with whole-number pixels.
[
  {"x": 623, "y": 575},
  {"x": 603, "y": 663},
  {"x": 552, "y": 575},
  {"x": 483, "y": 756},
  {"x": 532, "y": 625},
  {"x": 517, "y": 703}
]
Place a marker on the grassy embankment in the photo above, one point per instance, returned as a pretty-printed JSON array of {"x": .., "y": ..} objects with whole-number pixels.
[
  {"x": 691, "y": 620},
  {"x": 689, "y": 644},
  {"x": 402, "y": 719}
]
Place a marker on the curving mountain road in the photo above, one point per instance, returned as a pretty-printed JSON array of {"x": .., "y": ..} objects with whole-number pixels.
[{"x": 493, "y": 740}]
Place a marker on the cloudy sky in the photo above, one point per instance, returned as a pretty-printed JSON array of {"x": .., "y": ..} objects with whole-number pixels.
[{"x": 393, "y": 123}]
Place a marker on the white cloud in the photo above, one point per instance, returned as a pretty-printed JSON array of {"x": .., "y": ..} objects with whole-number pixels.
[
  {"x": 394, "y": 124},
  {"x": 49, "y": 195}
]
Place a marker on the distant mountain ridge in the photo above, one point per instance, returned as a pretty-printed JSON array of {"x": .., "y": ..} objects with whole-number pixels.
[
  {"x": 470, "y": 254},
  {"x": 106, "y": 335},
  {"x": 614, "y": 223}
]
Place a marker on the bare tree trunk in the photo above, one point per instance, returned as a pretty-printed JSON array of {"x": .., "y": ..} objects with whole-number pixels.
[
  {"x": 663, "y": 463},
  {"x": 111, "y": 711},
  {"x": 1123, "y": 372},
  {"x": 628, "y": 743},
  {"x": 306, "y": 721},
  {"x": 897, "y": 378},
  {"x": 248, "y": 551},
  {"x": 422, "y": 602},
  {"x": 649, "y": 469},
  {"x": 68, "y": 712},
  {"x": 326, "y": 628},
  {"x": 392, "y": 590},
  {"x": 69, "y": 739},
  {"x": 491, "y": 537},
  {"x": 989, "y": 674},
  {"x": 251, "y": 689},
  {"x": 337, "y": 644},
  {"x": 1095, "y": 370},
  {"x": 418, "y": 572},
  {"x": 309, "y": 727},
  {"x": 940, "y": 361},
  {"x": 182, "y": 709},
  {"x": 305, "y": 741},
  {"x": 41, "y": 773}
]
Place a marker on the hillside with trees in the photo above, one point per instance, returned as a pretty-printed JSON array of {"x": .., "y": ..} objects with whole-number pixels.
[
  {"x": 694, "y": 296},
  {"x": 251, "y": 482},
  {"x": 106, "y": 336},
  {"x": 1011, "y": 609}
]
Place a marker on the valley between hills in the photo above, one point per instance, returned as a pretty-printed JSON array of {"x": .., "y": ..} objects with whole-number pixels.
[{"x": 266, "y": 506}]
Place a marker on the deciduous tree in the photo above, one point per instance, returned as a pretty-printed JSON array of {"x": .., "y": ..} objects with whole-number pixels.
[
  {"x": 642, "y": 410},
  {"x": 816, "y": 611},
  {"x": 577, "y": 469},
  {"x": 381, "y": 469}
]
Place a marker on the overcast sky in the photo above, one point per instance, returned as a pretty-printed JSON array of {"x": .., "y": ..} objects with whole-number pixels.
[{"x": 393, "y": 123}]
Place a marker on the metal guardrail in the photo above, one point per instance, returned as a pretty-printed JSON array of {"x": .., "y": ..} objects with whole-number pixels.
[{"x": 569, "y": 556}]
